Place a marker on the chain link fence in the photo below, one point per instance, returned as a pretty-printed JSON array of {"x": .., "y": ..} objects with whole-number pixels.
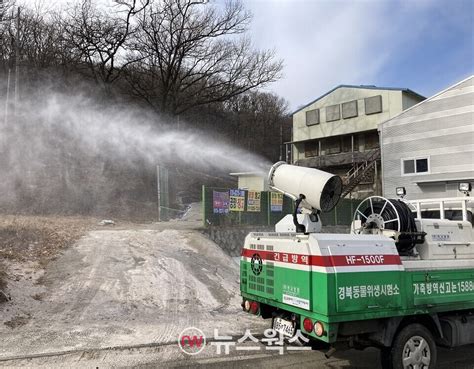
[
  {"x": 342, "y": 214},
  {"x": 224, "y": 206}
]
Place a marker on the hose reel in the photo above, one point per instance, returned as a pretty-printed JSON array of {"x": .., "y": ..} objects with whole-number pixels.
[{"x": 380, "y": 215}]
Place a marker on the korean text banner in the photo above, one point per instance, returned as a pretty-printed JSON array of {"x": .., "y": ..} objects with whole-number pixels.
[
  {"x": 237, "y": 200},
  {"x": 253, "y": 201},
  {"x": 276, "y": 201},
  {"x": 220, "y": 202}
]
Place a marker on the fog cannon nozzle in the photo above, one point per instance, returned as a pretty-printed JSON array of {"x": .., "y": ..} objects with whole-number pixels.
[{"x": 321, "y": 190}]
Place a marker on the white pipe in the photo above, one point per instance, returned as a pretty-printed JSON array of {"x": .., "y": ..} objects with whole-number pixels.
[
  {"x": 464, "y": 210},
  {"x": 418, "y": 210}
]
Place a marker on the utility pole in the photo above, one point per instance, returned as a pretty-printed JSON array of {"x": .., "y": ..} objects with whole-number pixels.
[
  {"x": 5, "y": 119},
  {"x": 281, "y": 140},
  {"x": 158, "y": 191},
  {"x": 17, "y": 64},
  {"x": 7, "y": 99},
  {"x": 17, "y": 58}
]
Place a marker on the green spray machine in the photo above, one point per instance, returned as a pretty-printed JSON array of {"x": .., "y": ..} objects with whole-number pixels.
[{"x": 402, "y": 280}]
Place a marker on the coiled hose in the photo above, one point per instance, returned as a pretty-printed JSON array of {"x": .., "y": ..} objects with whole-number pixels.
[{"x": 408, "y": 236}]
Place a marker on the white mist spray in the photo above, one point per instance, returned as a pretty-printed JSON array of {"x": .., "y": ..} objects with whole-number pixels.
[{"x": 54, "y": 136}]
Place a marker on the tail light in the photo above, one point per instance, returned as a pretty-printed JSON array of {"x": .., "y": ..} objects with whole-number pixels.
[
  {"x": 308, "y": 325},
  {"x": 254, "y": 307},
  {"x": 319, "y": 329}
]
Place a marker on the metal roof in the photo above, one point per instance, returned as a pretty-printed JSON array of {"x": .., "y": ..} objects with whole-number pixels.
[
  {"x": 426, "y": 100},
  {"x": 366, "y": 87}
]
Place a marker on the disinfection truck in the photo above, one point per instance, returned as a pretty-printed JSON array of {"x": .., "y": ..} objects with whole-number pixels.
[{"x": 402, "y": 280}]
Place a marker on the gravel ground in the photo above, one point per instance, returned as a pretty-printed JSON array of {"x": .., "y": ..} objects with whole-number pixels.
[{"x": 122, "y": 288}]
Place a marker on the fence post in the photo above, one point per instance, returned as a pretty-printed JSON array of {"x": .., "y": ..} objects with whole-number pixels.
[
  {"x": 158, "y": 191},
  {"x": 204, "y": 205},
  {"x": 269, "y": 207},
  {"x": 352, "y": 209}
]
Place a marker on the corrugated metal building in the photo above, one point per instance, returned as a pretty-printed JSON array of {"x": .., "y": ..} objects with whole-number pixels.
[{"x": 429, "y": 148}]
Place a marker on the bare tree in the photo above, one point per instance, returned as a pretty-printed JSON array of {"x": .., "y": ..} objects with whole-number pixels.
[
  {"x": 6, "y": 31},
  {"x": 5, "y": 6},
  {"x": 41, "y": 41},
  {"x": 32, "y": 41},
  {"x": 189, "y": 54},
  {"x": 97, "y": 36},
  {"x": 259, "y": 122}
]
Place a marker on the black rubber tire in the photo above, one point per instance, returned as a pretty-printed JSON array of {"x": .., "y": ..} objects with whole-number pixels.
[
  {"x": 392, "y": 358},
  {"x": 385, "y": 358}
]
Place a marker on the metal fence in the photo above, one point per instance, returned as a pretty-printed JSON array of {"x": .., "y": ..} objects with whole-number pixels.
[
  {"x": 342, "y": 214},
  {"x": 224, "y": 206}
]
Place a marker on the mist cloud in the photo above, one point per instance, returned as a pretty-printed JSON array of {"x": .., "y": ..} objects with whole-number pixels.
[{"x": 75, "y": 153}]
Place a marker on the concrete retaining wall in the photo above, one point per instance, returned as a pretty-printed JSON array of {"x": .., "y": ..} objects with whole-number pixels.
[{"x": 231, "y": 239}]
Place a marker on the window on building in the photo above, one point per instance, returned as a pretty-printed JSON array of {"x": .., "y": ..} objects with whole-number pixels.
[
  {"x": 421, "y": 165},
  {"x": 356, "y": 142},
  {"x": 311, "y": 149},
  {"x": 373, "y": 105},
  {"x": 346, "y": 143},
  {"x": 448, "y": 214},
  {"x": 349, "y": 109},
  {"x": 408, "y": 166},
  {"x": 333, "y": 113},
  {"x": 415, "y": 166},
  {"x": 371, "y": 140},
  {"x": 332, "y": 145},
  {"x": 338, "y": 144},
  {"x": 312, "y": 117}
]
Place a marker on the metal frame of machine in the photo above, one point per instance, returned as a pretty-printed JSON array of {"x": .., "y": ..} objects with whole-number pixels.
[{"x": 398, "y": 281}]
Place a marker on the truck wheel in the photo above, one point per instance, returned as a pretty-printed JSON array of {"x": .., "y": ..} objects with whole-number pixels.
[
  {"x": 413, "y": 348},
  {"x": 385, "y": 357}
]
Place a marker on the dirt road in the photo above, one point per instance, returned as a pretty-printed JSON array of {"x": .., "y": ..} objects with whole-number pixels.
[{"x": 123, "y": 287}]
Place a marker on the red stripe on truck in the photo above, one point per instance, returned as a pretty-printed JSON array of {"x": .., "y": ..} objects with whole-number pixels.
[{"x": 326, "y": 260}]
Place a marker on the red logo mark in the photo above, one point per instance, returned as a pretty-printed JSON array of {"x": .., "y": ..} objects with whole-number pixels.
[{"x": 192, "y": 341}]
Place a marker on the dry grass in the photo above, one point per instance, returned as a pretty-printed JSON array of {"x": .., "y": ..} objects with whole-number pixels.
[
  {"x": 30, "y": 238},
  {"x": 17, "y": 321},
  {"x": 33, "y": 238},
  {"x": 3, "y": 277}
]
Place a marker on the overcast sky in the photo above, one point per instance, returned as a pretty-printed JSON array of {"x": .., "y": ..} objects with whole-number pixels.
[{"x": 424, "y": 45}]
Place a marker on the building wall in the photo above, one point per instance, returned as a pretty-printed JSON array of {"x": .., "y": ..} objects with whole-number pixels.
[
  {"x": 391, "y": 105},
  {"x": 393, "y": 102},
  {"x": 254, "y": 183},
  {"x": 408, "y": 101},
  {"x": 440, "y": 129}
]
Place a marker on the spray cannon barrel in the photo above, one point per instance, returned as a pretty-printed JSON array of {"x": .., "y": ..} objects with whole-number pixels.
[{"x": 320, "y": 190}]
